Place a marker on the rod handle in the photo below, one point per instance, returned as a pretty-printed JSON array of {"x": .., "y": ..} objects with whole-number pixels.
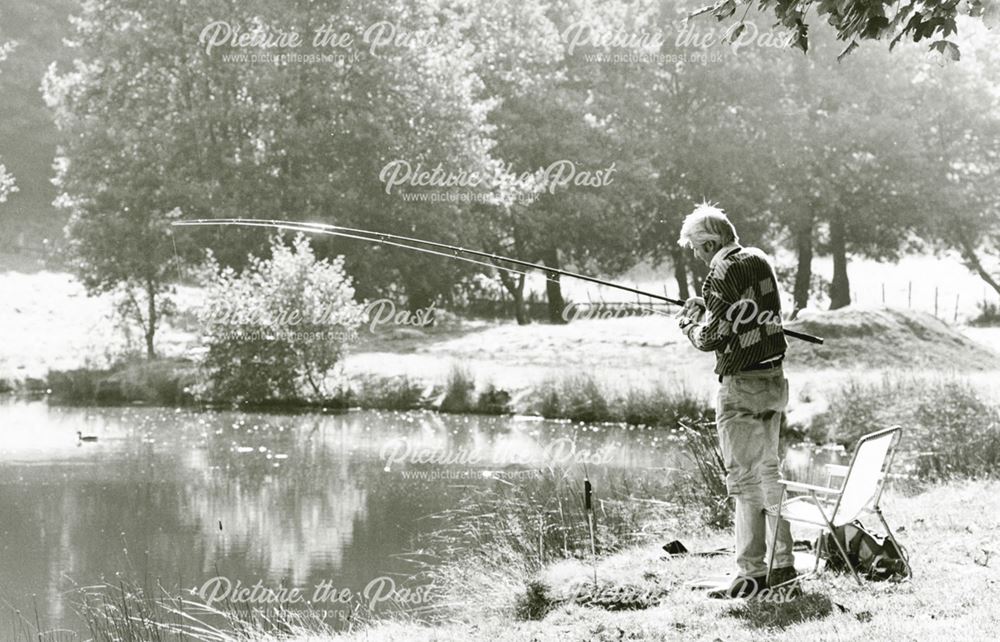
[{"x": 803, "y": 336}]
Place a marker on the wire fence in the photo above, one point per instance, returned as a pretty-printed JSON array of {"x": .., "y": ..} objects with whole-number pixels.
[
  {"x": 949, "y": 304},
  {"x": 944, "y": 302}
]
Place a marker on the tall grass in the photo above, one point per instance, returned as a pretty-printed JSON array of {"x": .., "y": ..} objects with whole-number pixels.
[
  {"x": 501, "y": 536},
  {"x": 704, "y": 487},
  {"x": 459, "y": 393},
  {"x": 581, "y": 398},
  {"x": 387, "y": 393},
  {"x": 575, "y": 398},
  {"x": 129, "y": 612},
  {"x": 160, "y": 381}
]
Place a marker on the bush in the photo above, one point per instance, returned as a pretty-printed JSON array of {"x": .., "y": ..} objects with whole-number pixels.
[
  {"x": 949, "y": 430},
  {"x": 989, "y": 315},
  {"x": 493, "y": 401},
  {"x": 275, "y": 330},
  {"x": 582, "y": 399}
]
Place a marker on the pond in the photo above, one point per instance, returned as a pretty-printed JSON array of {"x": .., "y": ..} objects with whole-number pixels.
[
  {"x": 184, "y": 496},
  {"x": 179, "y": 496}
]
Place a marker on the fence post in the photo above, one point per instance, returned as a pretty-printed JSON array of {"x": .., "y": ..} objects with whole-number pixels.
[
  {"x": 955, "y": 320},
  {"x": 909, "y": 295},
  {"x": 883, "y": 294},
  {"x": 935, "y": 301}
]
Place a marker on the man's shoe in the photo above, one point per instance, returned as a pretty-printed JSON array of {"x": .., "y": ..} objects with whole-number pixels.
[
  {"x": 779, "y": 577},
  {"x": 741, "y": 587}
]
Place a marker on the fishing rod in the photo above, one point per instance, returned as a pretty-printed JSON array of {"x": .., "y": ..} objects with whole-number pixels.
[
  {"x": 308, "y": 227},
  {"x": 384, "y": 237}
]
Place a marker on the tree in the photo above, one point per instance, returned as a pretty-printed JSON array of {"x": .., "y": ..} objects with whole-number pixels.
[
  {"x": 960, "y": 176},
  {"x": 112, "y": 172},
  {"x": 155, "y": 120},
  {"x": 552, "y": 117},
  {"x": 280, "y": 326},
  {"x": 799, "y": 148}
]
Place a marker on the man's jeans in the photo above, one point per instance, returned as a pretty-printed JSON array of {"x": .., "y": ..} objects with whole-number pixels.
[{"x": 749, "y": 411}]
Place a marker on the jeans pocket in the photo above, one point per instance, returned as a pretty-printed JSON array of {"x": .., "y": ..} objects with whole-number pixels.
[{"x": 748, "y": 387}]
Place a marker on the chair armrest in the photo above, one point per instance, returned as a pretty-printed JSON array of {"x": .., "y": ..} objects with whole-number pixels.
[{"x": 809, "y": 488}]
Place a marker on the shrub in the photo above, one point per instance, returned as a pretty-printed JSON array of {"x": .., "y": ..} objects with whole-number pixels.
[
  {"x": 989, "y": 314},
  {"x": 582, "y": 399},
  {"x": 493, "y": 401},
  {"x": 275, "y": 330},
  {"x": 949, "y": 429}
]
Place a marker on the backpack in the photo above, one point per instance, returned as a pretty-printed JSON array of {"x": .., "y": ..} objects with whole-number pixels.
[{"x": 876, "y": 558}]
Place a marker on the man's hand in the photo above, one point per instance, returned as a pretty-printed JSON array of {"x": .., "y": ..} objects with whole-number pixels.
[{"x": 693, "y": 310}]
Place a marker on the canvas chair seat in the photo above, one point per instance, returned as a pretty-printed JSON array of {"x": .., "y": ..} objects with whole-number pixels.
[{"x": 802, "y": 509}]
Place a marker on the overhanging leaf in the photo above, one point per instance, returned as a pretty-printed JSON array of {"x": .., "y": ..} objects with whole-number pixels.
[
  {"x": 847, "y": 50},
  {"x": 725, "y": 10},
  {"x": 735, "y": 33},
  {"x": 947, "y": 49}
]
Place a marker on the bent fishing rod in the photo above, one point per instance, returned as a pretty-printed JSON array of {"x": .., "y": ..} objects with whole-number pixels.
[{"x": 392, "y": 240}]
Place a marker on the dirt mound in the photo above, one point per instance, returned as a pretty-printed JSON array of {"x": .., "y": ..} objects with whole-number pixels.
[{"x": 885, "y": 337}]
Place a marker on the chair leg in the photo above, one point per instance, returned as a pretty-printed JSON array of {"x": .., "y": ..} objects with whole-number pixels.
[
  {"x": 774, "y": 534},
  {"x": 833, "y": 536},
  {"x": 843, "y": 553},
  {"x": 888, "y": 532}
]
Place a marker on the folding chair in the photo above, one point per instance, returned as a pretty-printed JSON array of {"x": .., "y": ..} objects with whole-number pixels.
[{"x": 829, "y": 507}]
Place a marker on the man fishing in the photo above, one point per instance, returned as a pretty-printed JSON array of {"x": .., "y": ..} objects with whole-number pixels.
[{"x": 739, "y": 319}]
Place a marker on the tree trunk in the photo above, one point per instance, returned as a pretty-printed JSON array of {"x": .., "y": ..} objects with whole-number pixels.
[
  {"x": 680, "y": 271},
  {"x": 840, "y": 288},
  {"x": 419, "y": 299},
  {"x": 516, "y": 289},
  {"x": 968, "y": 251},
  {"x": 151, "y": 319},
  {"x": 803, "y": 271},
  {"x": 553, "y": 288}
]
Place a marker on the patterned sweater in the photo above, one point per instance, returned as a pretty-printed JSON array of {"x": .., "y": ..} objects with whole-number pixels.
[{"x": 743, "y": 319}]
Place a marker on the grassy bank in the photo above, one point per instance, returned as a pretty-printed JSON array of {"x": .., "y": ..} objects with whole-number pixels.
[
  {"x": 576, "y": 398},
  {"x": 946, "y": 529}
]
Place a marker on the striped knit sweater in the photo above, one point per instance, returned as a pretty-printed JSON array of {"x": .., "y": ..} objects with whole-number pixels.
[{"x": 743, "y": 320}]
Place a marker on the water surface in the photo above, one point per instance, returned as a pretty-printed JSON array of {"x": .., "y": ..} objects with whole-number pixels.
[{"x": 178, "y": 497}]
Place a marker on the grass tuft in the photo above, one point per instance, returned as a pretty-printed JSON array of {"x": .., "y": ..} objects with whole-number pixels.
[
  {"x": 762, "y": 613},
  {"x": 387, "y": 393}
]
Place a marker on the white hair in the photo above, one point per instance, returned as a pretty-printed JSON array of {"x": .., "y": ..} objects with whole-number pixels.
[{"x": 707, "y": 223}]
